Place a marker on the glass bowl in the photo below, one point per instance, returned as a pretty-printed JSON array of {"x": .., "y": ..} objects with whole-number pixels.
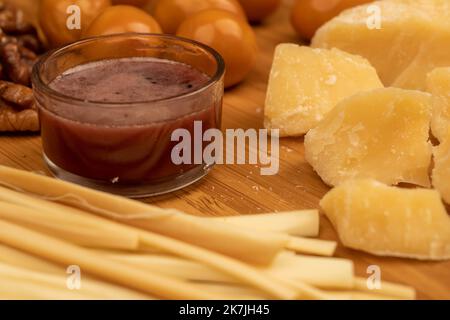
[{"x": 126, "y": 148}]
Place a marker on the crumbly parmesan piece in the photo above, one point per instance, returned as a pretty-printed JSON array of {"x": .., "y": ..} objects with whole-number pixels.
[
  {"x": 305, "y": 84},
  {"x": 389, "y": 221},
  {"x": 381, "y": 134},
  {"x": 403, "y": 39}
]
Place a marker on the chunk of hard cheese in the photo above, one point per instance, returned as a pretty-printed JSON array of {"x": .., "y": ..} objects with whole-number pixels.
[
  {"x": 389, "y": 221},
  {"x": 441, "y": 171},
  {"x": 413, "y": 38},
  {"x": 380, "y": 134},
  {"x": 305, "y": 84},
  {"x": 438, "y": 84}
]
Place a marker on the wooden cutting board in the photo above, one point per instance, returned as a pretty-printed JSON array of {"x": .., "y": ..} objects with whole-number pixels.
[{"x": 240, "y": 189}]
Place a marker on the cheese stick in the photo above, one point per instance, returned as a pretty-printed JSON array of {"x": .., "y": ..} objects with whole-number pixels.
[
  {"x": 249, "y": 294},
  {"x": 70, "y": 224},
  {"x": 387, "y": 288},
  {"x": 242, "y": 293},
  {"x": 67, "y": 254},
  {"x": 240, "y": 271},
  {"x": 303, "y": 223},
  {"x": 317, "y": 271},
  {"x": 213, "y": 235},
  {"x": 311, "y": 246},
  {"x": 305, "y": 290},
  {"x": 92, "y": 289},
  {"x": 14, "y": 289},
  {"x": 58, "y": 281},
  {"x": 321, "y": 272},
  {"x": 358, "y": 295},
  {"x": 17, "y": 258},
  {"x": 14, "y": 257}
]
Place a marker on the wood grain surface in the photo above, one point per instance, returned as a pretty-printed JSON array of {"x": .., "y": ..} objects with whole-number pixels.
[{"x": 240, "y": 189}]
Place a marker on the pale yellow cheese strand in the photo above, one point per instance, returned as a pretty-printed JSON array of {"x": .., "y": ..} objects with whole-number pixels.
[
  {"x": 89, "y": 287},
  {"x": 221, "y": 238},
  {"x": 293, "y": 243},
  {"x": 163, "y": 263},
  {"x": 321, "y": 272},
  {"x": 67, "y": 254},
  {"x": 387, "y": 288},
  {"x": 15, "y": 289},
  {"x": 73, "y": 199},
  {"x": 311, "y": 246},
  {"x": 76, "y": 229},
  {"x": 12, "y": 256},
  {"x": 248, "y": 294},
  {"x": 241, "y": 271},
  {"x": 358, "y": 295},
  {"x": 302, "y": 223},
  {"x": 241, "y": 293},
  {"x": 21, "y": 197},
  {"x": 305, "y": 290}
]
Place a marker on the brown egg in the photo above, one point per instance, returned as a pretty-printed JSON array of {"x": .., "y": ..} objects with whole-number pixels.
[
  {"x": 171, "y": 13},
  {"x": 309, "y": 15},
  {"x": 137, "y": 3},
  {"x": 230, "y": 35},
  {"x": 122, "y": 19},
  {"x": 56, "y": 15},
  {"x": 258, "y": 10}
]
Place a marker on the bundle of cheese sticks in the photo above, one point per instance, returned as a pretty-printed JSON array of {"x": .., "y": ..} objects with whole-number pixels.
[{"x": 125, "y": 249}]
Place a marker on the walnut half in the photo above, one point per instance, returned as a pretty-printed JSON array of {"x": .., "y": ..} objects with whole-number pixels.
[
  {"x": 17, "y": 60},
  {"x": 12, "y": 20},
  {"x": 18, "y": 110}
]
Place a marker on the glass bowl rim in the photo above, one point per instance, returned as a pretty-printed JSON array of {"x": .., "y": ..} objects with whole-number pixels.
[{"x": 39, "y": 84}]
